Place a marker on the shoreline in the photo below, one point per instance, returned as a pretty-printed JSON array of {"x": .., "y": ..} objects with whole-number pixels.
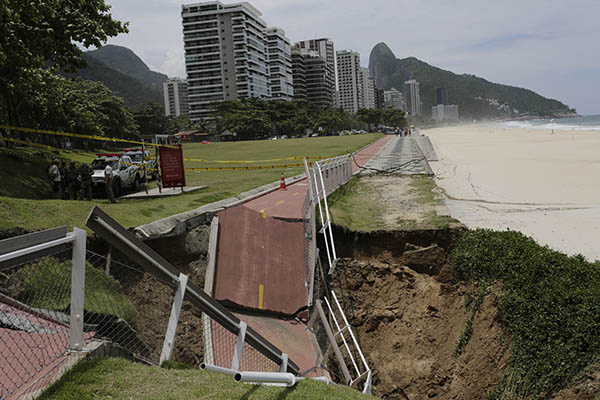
[{"x": 529, "y": 180}]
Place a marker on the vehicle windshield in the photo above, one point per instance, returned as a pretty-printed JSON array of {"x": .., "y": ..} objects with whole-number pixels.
[
  {"x": 136, "y": 157},
  {"x": 101, "y": 164}
]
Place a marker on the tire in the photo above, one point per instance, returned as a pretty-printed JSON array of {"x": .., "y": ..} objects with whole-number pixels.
[{"x": 136, "y": 183}]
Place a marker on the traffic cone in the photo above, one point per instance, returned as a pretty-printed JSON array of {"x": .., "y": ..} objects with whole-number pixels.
[{"x": 282, "y": 182}]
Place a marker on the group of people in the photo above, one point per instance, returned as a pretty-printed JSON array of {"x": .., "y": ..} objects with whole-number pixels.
[
  {"x": 70, "y": 182},
  {"x": 403, "y": 132}
]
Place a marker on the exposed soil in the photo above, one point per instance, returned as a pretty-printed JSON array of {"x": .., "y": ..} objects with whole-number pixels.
[
  {"x": 409, "y": 312},
  {"x": 153, "y": 299}
]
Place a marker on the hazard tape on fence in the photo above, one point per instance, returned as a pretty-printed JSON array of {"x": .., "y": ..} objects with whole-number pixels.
[
  {"x": 248, "y": 168},
  {"x": 253, "y": 161},
  {"x": 80, "y": 136}
]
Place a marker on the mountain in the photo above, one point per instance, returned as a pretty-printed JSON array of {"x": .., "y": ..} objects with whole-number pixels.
[
  {"x": 476, "y": 97},
  {"x": 124, "y": 73},
  {"x": 127, "y": 62}
]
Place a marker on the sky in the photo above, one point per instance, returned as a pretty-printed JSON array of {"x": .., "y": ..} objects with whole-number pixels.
[{"x": 549, "y": 46}]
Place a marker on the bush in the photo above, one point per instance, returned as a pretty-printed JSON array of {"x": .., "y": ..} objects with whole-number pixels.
[{"x": 550, "y": 305}]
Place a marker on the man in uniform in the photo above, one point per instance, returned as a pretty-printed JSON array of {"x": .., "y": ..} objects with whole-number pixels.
[
  {"x": 71, "y": 181},
  {"x": 55, "y": 178},
  {"x": 85, "y": 174},
  {"x": 108, "y": 183}
]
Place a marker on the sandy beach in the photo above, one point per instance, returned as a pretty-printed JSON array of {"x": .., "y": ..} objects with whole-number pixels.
[{"x": 543, "y": 184}]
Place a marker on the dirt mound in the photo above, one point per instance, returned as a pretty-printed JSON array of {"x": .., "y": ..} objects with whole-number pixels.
[{"x": 409, "y": 325}]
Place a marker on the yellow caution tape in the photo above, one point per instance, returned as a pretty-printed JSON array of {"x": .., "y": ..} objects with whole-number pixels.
[
  {"x": 248, "y": 168},
  {"x": 44, "y": 146},
  {"x": 253, "y": 161},
  {"x": 81, "y": 136}
]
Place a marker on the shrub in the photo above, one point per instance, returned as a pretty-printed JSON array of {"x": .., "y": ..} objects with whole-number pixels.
[{"x": 550, "y": 304}]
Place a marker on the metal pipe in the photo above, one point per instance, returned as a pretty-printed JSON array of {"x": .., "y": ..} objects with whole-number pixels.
[
  {"x": 283, "y": 378},
  {"x": 214, "y": 368}
]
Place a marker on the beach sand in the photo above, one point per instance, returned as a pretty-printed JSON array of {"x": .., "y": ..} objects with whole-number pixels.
[{"x": 544, "y": 184}]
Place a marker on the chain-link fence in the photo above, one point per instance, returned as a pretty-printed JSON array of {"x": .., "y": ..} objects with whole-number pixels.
[{"x": 34, "y": 321}]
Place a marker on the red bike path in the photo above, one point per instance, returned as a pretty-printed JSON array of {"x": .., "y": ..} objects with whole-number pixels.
[{"x": 260, "y": 263}]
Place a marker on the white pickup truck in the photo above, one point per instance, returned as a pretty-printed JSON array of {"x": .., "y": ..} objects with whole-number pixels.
[{"x": 126, "y": 174}]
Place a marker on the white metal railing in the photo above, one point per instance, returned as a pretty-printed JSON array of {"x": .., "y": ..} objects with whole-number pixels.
[
  {"x": 325, "y": 177},
  {"x": 361, "y": 368}
]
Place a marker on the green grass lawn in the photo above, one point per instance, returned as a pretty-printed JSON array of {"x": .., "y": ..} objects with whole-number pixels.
[
  {"x": 25, "y": 191},
  {"x": 114, "y": 378}
]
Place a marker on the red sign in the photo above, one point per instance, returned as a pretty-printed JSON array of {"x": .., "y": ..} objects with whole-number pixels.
[{"x": 171, "y": 166}]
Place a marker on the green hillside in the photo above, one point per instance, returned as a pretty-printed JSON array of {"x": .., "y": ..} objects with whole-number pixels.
[
  {"x": 124, "y": 73},
  {"x": 475, "y": 96},
  {"x": 127, "y": 62}
]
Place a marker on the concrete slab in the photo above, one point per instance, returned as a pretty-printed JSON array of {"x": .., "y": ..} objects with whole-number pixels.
[{"x": 154, "y": 193}]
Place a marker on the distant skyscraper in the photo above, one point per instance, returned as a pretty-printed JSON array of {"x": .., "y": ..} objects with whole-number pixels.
[
  {"x": 312, "y": 77},
  {"x": 324, "y": 48},
  {"x": 412, "y": 97},
  {"x": 175, "y": 96},
  {"x": 393, "y": 99},
  {"x": 225, "y": 54},
  {"x": 379, "y": 98},
  {"x": 280, "y": 65},
  {"x": 441, "y": 96},
  {"x": 442, "y": 113},
  {"x": 368, "y": 88},
  {"x": 299, "y": 73},
  {"x": 349, "y": 80}
]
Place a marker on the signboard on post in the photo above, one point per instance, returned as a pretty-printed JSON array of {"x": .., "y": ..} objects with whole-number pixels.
[{"x": 171, "y": 166}]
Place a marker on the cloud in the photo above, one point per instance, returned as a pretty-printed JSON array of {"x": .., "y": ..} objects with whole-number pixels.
[{"x": 524, "y": 43}]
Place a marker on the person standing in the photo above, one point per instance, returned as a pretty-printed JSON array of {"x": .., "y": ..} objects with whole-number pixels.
[
  {"x": 71, "y": 181},
  {"x": 55, "y": 178},
  {"x": 108, "y": 183},
  {"x": 85, "y": 173},
  {"x": 63, "y": 181}
]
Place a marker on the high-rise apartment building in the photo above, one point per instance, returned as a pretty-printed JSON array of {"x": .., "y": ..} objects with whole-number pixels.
[
  {"x": 393, "y": 99},
  {"x": 299, "y": 73},
  {"x": 312, "y": 77},
  {"x": 412, "y": 97},
  {"x": 349, "y": 80},
  {"x": 379, "y": 98},
  {"x": 441, "y": 96},
  {"x": 368, "y": 88},
  {"x": 175, "y": 96},
  {"x": 280, "y": 65},
  {"x": 442, "y": 113},
  {"x": 225, "y": 54},
  {"x": 324, "y": 48}
]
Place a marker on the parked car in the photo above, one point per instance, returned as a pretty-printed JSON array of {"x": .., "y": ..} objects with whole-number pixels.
[
  {"x": 126, "y": 174},
  {"x": 142, "y": 158}
]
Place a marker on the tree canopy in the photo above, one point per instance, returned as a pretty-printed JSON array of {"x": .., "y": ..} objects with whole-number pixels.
[{"x": 38, "y": 36}]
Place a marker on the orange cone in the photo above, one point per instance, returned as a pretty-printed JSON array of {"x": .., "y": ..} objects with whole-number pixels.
[{"x": 282, "y": 182}]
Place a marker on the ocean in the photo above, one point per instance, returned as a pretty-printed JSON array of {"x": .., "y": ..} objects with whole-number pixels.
[{"x": 585, "y": 123}]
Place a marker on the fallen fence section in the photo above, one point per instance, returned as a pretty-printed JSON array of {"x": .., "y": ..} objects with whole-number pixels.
[
  {"x": 42, "y": 284},
  {"x": 234, "y": 345}
]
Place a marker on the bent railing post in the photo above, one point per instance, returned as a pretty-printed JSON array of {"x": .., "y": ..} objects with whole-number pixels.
[{"x": 169, "y": 342}]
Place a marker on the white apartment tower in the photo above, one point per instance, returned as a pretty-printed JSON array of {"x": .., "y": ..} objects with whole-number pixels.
[
  {"x": 368, "y": 85},
  {"x": 225, "y": 54},
  {"x": 350, "y": 81},
  {"x": 412, "y": 98},
  {"x": 280, "y": 65},
  {"x": 175, "y": 96}
]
